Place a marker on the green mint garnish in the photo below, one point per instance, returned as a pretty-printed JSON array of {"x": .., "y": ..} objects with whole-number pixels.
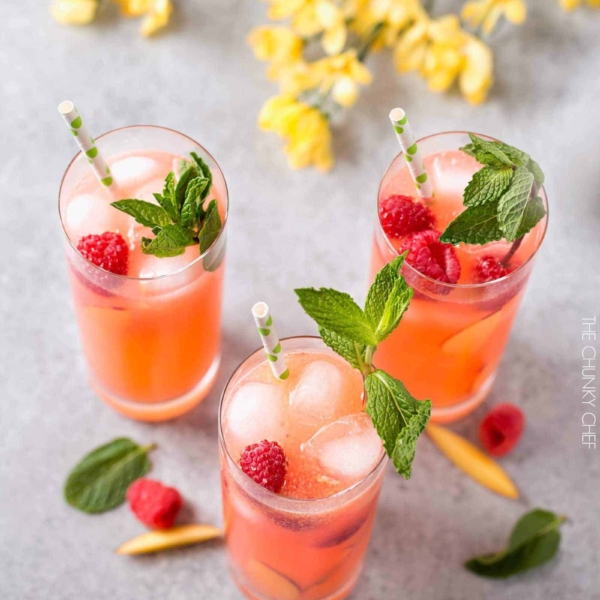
[
  {"x": 533, "y": 542},
  {"x": 501, "y": 198},
  {"x": 180, "y": 219},
  {"x": 100, "y": 480},
  {"x": 354, "y": 334}
]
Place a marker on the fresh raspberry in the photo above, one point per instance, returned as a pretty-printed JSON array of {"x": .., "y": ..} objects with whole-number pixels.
[
  {"x": 501, "y": 429},
  {"x": 401, "y": 215},
  {"x": 154, "y": 504},
  {"x": 265, "y": 463},
  {"x": 108, "y": 251},
  {"x": 431, "y": 257},
  {"x": 488, "y": 269}
]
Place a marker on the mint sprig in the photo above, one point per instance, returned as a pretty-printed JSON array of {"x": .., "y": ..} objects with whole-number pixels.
[
  {"x": 501, "y": 198},
  {"x": 533, "y": 542},
  {"x": 180, "y": 218},
  {"x": 354, "y": 334}
]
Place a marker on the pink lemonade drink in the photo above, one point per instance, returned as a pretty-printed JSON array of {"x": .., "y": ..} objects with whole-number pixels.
[
  {"x": 307, "y": 542},
  {"x": 451, "y": 339},
  {"x": 150, "y": 336}
]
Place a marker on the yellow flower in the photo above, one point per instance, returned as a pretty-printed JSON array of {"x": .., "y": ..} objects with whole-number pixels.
[
  {"x": 442, "y": 52},
  {"x": 486, "y": 13},
  {"x": 314, "y": 17},
  {"x": 305, "y": 129},
  {"x": 443, "y": 59},
  {"x": 156, "y": 13},
  {"x": 341, "y": 75},
  {"x": 276, "y": 44},
  {"x": 477, "y": 77},
  {"x": 572, "y": 4},
  {"x": 74, "y": 12},
  {"x": 396, "y": 15}
]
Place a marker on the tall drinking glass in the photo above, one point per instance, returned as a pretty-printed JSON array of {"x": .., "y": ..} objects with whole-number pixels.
[
  {"x": 307, "y": 542},
  {"x": 150, "y": 337},
  {"x": 450, "y": 341}
]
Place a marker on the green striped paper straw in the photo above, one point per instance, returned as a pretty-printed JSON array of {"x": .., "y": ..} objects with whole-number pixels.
[
  {"x": 86, "y": 142},
  {"x": 411, "y": 152},
  {"x": 268, "y": 335}
]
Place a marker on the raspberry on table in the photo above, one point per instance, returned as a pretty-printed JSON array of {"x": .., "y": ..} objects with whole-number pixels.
[
  {"x": 153, "y": 503},
  {"x": 401, "y": 215},
  {"x": 108, "y": 251},
  {"x": 431, "y": 257},
  {"x": 265, "y": 463},
  {"x": 501, "y": 429},
  {"x": 488, "y": 268}
]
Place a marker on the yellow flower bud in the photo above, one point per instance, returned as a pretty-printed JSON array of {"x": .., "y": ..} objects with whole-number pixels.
[{"x": 74, "y": 12}]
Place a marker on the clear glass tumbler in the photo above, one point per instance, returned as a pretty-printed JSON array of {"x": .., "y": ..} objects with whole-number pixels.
[
  {"x": 451, "y": 339},
  {"x": 284, "y": 548},
  {"x": 152, "y": 341}
]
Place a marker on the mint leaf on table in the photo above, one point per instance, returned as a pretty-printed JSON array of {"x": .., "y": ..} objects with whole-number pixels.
[
  {"x": 533, "y": 542},
  {"x": 487, "y": 185},
  {"x": 475, "y": 225},
  {"x": 180, "y": 219},
  {"x": 501, "y": 198},
  {"x": 511, "y": 206},
  {"x": 398, "y": 418},
  {"x": 100, "y": 480}
]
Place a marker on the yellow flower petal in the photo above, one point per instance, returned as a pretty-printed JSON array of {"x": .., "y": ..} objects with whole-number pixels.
[
  {"x": 74, "y": 12},
  {"x": 158, "y": 17},
  {"x": 334, "y": 39},
  {"x": 477, "y": 76},
  {"x": 345, "y": 91},
  {"x": 516, "y": 11},
  {"x": 277, "y": 44}
]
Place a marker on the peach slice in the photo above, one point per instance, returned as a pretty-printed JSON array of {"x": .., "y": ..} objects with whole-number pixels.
[
  {"x": 271, "y": 582},
  {"x": 473, "y": 461},
  {"x": 154, "y": 541},
  {"x": 474, "y": 336}
]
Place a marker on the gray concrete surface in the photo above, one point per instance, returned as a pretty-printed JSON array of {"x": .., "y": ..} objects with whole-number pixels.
[{"x": 200, "y": 77}]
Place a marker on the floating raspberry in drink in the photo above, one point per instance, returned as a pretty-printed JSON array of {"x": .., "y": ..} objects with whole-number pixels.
[
  {"x": 501, "y": 429},
  {"x": 431, "y": 257},
  {"x": 488, "y": 268},
  {"x": 108, "y": 251},
  {"x": 401, "y": 215},
  {"x": 265, "y": 463},
  {"x": 154, "y": 504}
]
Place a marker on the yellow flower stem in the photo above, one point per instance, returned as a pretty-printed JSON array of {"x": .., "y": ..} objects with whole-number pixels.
[{"x": 369, "y": 41}]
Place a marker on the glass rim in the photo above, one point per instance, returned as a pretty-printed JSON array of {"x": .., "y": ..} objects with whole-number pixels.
[
  {"x": 199, "y": 258},
  {"x": 268, "y": 493},
  {"x": 461, "y": 286}
]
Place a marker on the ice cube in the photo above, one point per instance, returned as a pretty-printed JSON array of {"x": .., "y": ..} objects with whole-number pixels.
[
  {"x": 348, "y": 447},
  {"x": 131, "y": 172},
  {"x": 147, "y": 190},
  {"x": 146, "y": 266},
  {"x": 450, "y": 175},
  {"x": 318, "y": 395},
  {"x": 257, "y": 411},
  {"x": 90, "y": 213}
]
